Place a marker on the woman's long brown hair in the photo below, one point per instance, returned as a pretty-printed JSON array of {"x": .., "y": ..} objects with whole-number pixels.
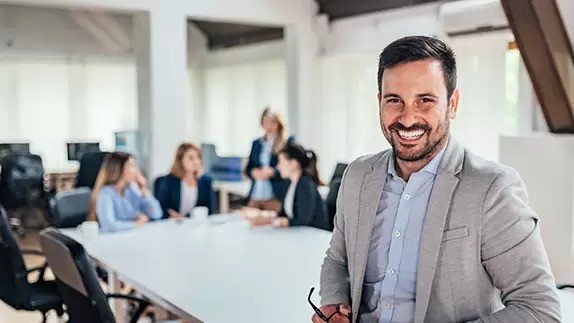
[
  {"x": 177, "y": 166},
  {"x": 110, "y": 173},
  {"x": 280, "y": 135}
]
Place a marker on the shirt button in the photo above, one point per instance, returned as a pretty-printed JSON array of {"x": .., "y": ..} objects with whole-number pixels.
[
  {"x": 386, "y": 305},
  {"x": 391, "y": 271},
  {"x": 407, "y": 197},
  {"x": 398, "y": 233}
]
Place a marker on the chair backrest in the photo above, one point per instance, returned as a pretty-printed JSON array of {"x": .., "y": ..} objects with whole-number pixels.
[
  {"x": 76, "y": 276},
  {"x": 14, "y": 287},
  {"x": 331, "y": 202},
  {"x": 209, "y": 154},
  {"x": 339, "y": 171},
  {"x": 70, "y": 208},
  {"x": 21, "y": 179},
  {"x": 89, "y": 168}
]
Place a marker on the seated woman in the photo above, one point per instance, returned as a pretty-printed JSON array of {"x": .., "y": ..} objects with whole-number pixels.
[
  {"x": 121, "y": 199},
  {"x": 302, "y": 204},
  {"x": 185, "y": 188}
]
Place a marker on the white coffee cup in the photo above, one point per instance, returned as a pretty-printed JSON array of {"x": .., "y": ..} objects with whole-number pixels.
[
  {"x": 90, "y": 229},
  {"x": 200, "y": 214}
]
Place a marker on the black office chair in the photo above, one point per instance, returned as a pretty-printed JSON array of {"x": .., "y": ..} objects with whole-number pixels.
[
  {"x": 22, "y": 188},
  {"x": 70, "y": 208},
  {"x": 331, "y": 202},
  {"x": 85, "y": 300},
  {"x": 339, "y": 171},
  {"x": 89, "y": 168},
  {"x": 15, "y": 288},
  {"x": 209, "y": 156}
]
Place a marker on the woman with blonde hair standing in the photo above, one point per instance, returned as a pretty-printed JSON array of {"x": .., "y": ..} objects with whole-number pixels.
[{"x": 268, "y": 187}]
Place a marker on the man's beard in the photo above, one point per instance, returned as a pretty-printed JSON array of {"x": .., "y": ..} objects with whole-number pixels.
[{"x": 430, "y": 145}]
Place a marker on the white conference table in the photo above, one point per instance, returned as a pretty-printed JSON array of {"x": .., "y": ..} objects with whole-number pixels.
[
  {"x": 242, "y": 188},
  {"x": 224, "y": 271}
]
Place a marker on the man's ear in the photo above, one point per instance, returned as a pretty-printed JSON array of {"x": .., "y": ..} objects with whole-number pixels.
[{"x": 453, "y": 103}]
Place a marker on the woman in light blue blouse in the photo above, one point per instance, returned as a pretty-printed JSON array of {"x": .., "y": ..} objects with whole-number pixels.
[{"x": 121, "y": 199}]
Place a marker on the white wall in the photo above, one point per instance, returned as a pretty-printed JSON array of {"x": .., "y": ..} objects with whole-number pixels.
[
  {"x": 51, "y": 32},
  {"x": 272, "y": 50},
  {"x": 545, "y": 163}
]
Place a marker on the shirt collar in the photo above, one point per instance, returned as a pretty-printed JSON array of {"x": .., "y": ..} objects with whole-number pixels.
[
  {"x": 431, "y": 167},
  {"x": 271, "y": 139}
]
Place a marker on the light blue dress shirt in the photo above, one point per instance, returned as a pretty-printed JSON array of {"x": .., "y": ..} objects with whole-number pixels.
[
  {"x": 118, "y": 213},
  {"x": 263, "y": 190},
  {"x": 389, "y": 288}
]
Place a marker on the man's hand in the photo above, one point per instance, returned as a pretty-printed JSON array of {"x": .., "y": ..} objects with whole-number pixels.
[{"x": 342, "y": 317}]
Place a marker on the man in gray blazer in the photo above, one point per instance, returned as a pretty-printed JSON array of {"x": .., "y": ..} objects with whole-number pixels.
[{"x": 427, "y": 231}]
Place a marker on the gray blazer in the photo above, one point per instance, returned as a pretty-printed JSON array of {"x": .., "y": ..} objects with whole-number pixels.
[{"x": 481, "y": 258}]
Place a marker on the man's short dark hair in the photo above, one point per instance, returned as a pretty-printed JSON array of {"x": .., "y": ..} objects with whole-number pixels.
[{"x": 416, "y": 48}]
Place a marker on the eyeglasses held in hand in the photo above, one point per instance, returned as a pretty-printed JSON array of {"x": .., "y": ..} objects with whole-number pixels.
[{"x": 318, "y": 311}]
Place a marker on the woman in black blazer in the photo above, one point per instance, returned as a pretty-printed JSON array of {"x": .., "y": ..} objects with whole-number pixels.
[
  {"x": 267, "y": 187},
  {"x": 184, "y": 188},
  {"x": 302, "y": 204}
]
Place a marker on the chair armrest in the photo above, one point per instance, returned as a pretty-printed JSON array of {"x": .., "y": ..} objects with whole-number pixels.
[
  {"x": 143, "y": 304},
  {"x": 40, "y": 269}
]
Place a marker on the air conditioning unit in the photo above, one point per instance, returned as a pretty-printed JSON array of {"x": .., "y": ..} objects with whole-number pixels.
[{"x": 468, "y": 16}]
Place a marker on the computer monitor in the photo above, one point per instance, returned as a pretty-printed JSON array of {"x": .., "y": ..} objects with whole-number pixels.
[
  {"x": 76, "y": 150},
  {"x": 13, "y": 148},
  {"x": 227, "y": 169}
]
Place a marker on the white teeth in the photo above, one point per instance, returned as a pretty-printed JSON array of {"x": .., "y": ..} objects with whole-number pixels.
[{"x": 410, "y": 135}]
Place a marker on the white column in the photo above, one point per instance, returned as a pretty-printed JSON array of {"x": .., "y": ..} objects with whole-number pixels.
[
  {"x": 302, "y": 45},
  {"x": 161, "y": 57},
  {"x": 196, "y": 110}
]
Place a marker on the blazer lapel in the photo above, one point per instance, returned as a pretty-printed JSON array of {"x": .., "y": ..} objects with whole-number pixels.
[
  {"x": 371, "y": 192},
  {"x": 436, "y": 215}
]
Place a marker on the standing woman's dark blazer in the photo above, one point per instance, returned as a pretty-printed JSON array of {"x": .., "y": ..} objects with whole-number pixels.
[
  {"x": 169, "y": 194},
  {"x": 279, "y": 185},
  {"x": 308, "y": 207}
]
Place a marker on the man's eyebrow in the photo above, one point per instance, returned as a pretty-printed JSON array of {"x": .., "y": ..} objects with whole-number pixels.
[
  {"x": 389, "y": 95},
  {"x": 427, "y": 94}
]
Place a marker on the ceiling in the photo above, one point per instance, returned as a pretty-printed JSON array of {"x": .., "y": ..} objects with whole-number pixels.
[
  {"x": 225, "y": 35},
  {"x": 337, "y": 9}
]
